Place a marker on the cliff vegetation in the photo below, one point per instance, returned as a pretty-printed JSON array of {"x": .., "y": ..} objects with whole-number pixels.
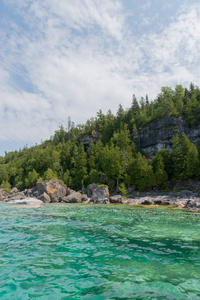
[{"x": 108, "y": 149}]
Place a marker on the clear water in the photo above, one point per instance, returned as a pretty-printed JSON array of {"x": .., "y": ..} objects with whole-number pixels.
[{"x": 99, "y": 252}]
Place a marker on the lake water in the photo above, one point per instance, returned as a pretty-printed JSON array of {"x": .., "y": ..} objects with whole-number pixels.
[{"x": 71, "y": 251}]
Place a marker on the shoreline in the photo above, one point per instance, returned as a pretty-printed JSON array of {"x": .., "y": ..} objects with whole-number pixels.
[
  {"x": 156, "y": 201},
  {"x": 54, "y": 191}
]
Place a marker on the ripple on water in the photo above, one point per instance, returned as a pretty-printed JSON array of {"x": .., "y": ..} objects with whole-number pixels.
[{"x": 99, "y": 252}]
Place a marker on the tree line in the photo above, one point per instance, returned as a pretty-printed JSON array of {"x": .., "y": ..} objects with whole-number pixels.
[{"x": 115, "y": 159}]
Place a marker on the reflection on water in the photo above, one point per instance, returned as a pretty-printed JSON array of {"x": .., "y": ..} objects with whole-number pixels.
[{"x": 99, "y": 252}]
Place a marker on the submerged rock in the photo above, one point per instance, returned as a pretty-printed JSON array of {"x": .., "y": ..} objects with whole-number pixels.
[{"x": 28, "y": 202}]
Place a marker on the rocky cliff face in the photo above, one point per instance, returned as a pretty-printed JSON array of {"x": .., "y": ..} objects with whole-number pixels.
[
  {"x": 158, "y": 134},
  {"x": 87, "y": 139}
]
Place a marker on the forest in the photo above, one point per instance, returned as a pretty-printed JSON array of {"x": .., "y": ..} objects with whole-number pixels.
[{"x": 115, "y": 159}]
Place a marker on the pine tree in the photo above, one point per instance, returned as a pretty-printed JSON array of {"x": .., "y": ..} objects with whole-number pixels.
[
  {"x": 79, "y": 161},
  {"x": 193, "y": 163},
  {"x": 161, "y": 176},
  {"x": 141, "y": 173}
]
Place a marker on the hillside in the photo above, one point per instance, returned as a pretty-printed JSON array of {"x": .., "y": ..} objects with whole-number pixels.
[{"x": 150, "y": 144}]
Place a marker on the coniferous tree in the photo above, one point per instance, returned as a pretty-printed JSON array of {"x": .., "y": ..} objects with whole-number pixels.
[
  {"x": 161, "y": 176},
  {"x": 79, "y": 170},
  {"x": 141, "y": 173},
  {"x": 193, "y": 163}
]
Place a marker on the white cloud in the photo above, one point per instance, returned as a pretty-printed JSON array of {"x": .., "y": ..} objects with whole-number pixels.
[{"x": 80, "y": 57}]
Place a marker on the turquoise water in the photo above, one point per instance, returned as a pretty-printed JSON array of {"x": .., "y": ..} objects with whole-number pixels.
[{"x": 71, "y": 251}]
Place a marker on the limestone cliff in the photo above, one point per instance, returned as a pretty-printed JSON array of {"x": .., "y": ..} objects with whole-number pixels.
[
  {"x": 158, "y": 134},
  {"x": 87, "y": 139}
]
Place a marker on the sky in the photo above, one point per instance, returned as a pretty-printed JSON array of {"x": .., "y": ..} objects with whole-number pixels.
[{"x": 65, "y": 58}]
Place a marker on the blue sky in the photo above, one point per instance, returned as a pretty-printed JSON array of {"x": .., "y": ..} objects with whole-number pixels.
[{"x": 71, "y": 58}]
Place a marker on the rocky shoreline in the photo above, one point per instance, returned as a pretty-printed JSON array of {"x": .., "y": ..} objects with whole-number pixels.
[{"x": 54, "y": 191}]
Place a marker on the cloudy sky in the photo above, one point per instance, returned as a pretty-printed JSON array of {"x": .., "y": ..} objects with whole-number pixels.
[{"x": 73, "y": 57}]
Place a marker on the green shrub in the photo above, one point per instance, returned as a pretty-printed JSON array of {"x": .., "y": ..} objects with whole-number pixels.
[
  {"x": 122, "y": 190},
  {"x": 6, "y": 186}
]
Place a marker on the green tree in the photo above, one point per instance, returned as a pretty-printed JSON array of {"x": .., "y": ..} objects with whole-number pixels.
[
  {"x": 67, "y": 179},
  {"x": 5, "y": 185},
  {"x": 161, "y": 176},
  {"x": 79, "y": 166},
  {"x": 113, "y": 162},
  {"x": 164, "y": 103},
  {"x": 141, "y": 173},
  {"x": 182, "y": 156},
  {"x": 193, "y": 164},
  {"x": 92, "y": 157},
  {"x": 49, "y": 174},
  {"x": 32, "y": 178},
  {"x": 94, "y": 176}
]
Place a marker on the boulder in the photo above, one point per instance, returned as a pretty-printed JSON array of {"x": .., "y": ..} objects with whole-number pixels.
[
  {"x": 101, "y": 201},
  {"x": 116, "y": 199},
  {"x": 193, "y": 203},
  {"x": 84, "y": 198},
  {"x": 73, "y": 197},
  {"x": 28, "y": 203},
  {"x": 54, "y": 188},
  {"x": 36, "y": 194},
  {"x": 194, "y": 209},
  {"x": 3, "y": 195},
  {"x": 14, "y": 190},
  {"x": 28, "y": 192},
  {"x": 146, "y": 201},
  {"x": 139, "y": 201},
  {"x": 16, "y": 197},
  {"x": 44, "y": 197},
  {"x": 98, "y": 193},
  {"x": 69, "y": 191}
]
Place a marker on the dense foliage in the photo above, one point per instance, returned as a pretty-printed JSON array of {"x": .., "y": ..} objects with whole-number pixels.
[{"x": 115, "y": 159}]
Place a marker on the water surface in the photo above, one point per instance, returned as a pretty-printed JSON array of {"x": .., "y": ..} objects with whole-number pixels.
[{"x": 71, "y": 251}]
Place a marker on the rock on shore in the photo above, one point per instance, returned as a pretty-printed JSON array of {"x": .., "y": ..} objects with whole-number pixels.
[
  {"x": 28, "y": 203},
  {"x": 55, "y": 191}
]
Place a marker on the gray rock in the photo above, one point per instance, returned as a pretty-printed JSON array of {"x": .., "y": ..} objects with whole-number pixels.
[
  {"x": 180, "y": 202},
  {"x": 28, "y": 203},
  {"x": 194, "y": 209},
  {"x": 73, "y": 197},
  {"x": 14, "y": 190},
  {"x": 69, "y": 191},
  {"x": 29, "y": 192},
  {"x": 158, "y": 134},
  {"x": 16, "y": 197},
  {"x": 186, "y": 193},
  {"x": 3, "y": 195},
  {"x": 34, "y": 189},
  {"x": 84, "y": 198},
  {"x": 101, "y": 201},
  {"x": 54, "y": 188},
  {"x": 87, "y": 139},
  {"x": 44, "y": 197},
  {"x": 146, "y": 201},
  {"x": 87, "y": 201},
  {"x": 99, "y": 194},
  {"x": 36, "y": 194},
  {"x": 193, "y": 203},
  {"x": 116, "y": 199}
]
